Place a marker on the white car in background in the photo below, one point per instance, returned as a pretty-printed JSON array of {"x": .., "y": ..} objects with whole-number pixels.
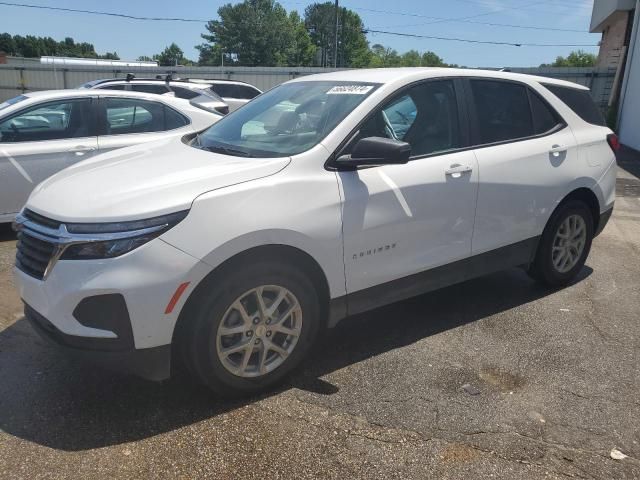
[
  {"x": 327, "y": 196},
  {"x": 233, "y": 92},
  {"x": 43, "y": 132},
  {"x": 198, "y": 93}
]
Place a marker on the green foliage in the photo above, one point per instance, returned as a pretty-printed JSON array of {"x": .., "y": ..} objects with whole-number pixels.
[
  {"x": 34, "y": 47},
  {"x": 353, "y": 47},
  {"x": 172, "y": 55},
  {"x": 578, "y": 58},
  {"x": 144, "y": 58},
  {"x": 382, "y": 56},
  {"x": 261, "y": 33},
  {"x": 256, "y": 32}
]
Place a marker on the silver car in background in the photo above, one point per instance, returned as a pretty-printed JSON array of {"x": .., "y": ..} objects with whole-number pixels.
[{"x": 42, "y": 133}]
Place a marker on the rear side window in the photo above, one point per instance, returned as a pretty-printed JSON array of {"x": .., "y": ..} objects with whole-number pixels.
[
  {"x": 112, "y": 87},
  {"x": 124, "y": 116},
  {"x": 502, "y": 110},
  {"x": 580, "y": 102},
  {"x": 231, "y": 90},
  {"x": 544, "y": 118},
  {"x": 184, "y": 93},
  {"x": 149, "y": 88}
]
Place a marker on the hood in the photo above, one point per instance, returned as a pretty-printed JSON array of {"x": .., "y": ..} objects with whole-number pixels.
[{"x": 142, "y": 181}]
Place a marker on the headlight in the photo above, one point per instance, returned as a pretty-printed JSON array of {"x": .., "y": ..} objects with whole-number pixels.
[{"x": 90, "y": 241}]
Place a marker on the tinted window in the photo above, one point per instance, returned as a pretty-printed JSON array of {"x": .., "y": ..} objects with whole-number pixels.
[
  {"x": 173, "y": 119},
  {"x": 112, "y": 87},
  {"x": 287, "y": 120},
  {"x": 580, "y": 102},
  {"x": 544, "y": 119},
  {"x": 52, "y": 121},
  {"x": 149, "y": 88},
  {"x": 231, "y": 90},
  {"x": 502, "y": 110},
  {"x": 425, "y": 116},
  {"x": 247, "y": 92},
  {"x": 124, "y": 115},
  {"x": 224, "y": 90},
  {"x": 185, "y": 93}
]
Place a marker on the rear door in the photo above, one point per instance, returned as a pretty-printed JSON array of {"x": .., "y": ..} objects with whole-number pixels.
[
  {"x": 39, "y": 141},
  {"x": 526, "y": 156},
  {"x": 127, "y": 121}
]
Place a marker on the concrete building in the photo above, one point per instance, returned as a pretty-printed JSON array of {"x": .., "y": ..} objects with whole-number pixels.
[{"x": 617, "y": 20}]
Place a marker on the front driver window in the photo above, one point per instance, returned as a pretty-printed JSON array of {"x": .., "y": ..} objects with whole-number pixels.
[
  {"x": 51, "y": 121},
  {"x": 425, "y": 116}
]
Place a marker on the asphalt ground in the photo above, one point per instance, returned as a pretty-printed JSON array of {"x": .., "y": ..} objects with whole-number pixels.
[{"x": 492, "y": 378}]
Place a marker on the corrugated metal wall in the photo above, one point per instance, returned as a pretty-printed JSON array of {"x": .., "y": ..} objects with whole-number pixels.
[{"x": 18, "y": 77}]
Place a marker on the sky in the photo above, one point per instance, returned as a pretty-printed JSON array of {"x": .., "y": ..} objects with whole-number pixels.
[{"x": 466, "y": 19}]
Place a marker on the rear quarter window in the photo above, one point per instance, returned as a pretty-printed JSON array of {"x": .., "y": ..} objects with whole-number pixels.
[{"x": 580, "y": 102}]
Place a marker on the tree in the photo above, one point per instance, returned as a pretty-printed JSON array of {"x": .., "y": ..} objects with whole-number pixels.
[
  {"x": 430, "y": 59},
  {"x": 302, "y": 50},
  {"x": 31, "y": 46},
  {"x": 256, "y": 32},
  {"x": 172, "y": 55},
  {"x": 411, "y": 58},
  {"x": 353, "y": 47},
  {"x": 144, "y": 58},
  {"x": 577, "y": 58},
  {"x": 382, "y": 56}
]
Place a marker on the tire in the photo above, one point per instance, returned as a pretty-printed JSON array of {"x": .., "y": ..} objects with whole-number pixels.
[
  {"x": 215, "y": 311},
  {"x": 548, "y": 266}
]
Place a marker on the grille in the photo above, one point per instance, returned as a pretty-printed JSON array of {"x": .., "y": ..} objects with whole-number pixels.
[{"x": 33, "y": 254}]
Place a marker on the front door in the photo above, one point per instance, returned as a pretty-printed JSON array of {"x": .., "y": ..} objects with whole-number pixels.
[
  {"x": 400, "y": 220},
  {"x": 39, "y": 141}
]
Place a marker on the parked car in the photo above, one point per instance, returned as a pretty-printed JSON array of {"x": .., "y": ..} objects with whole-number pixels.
[
  {"x": 199, "y": 94},
  {"x": 233, "y": 92},
  {"x": 44, "y": 132},
  {"x": 327, "y": 196}
]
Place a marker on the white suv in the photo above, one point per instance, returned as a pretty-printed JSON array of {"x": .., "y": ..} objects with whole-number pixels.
[{"x": 229, "y": 251}]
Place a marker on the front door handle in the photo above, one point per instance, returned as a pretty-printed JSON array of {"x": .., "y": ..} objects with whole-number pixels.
[
  {"x": 456, "y": 170},
  {"x": 556, "y": 150}
]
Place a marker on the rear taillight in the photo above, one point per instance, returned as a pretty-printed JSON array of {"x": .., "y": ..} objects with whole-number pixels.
[{"x": 614, "y": 143}]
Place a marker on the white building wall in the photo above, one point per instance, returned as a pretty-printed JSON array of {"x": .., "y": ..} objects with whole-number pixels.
[{"x": 629, "y": 114}]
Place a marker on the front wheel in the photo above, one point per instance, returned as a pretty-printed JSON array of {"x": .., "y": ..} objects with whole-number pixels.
[
  {"x": 564, "y": 245},
  {"x": 252, "y": 327}
]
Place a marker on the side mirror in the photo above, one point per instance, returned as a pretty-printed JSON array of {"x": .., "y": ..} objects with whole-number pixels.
[{"x": 375, "y": 151}]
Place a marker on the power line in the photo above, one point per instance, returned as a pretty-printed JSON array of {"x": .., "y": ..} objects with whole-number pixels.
[
  {"x": 489, "y": 42},
  {"x": 529, "y": 27},
  {"x": 110, "y": 14}
]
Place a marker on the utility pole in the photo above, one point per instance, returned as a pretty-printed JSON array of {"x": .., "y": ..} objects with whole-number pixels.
[{"x": 335, "y": 51}]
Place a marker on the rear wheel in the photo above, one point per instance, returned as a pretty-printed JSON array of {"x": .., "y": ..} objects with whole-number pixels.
[
  {"x": 251, "y": 328},
  {"x": 564, "y": 245}
]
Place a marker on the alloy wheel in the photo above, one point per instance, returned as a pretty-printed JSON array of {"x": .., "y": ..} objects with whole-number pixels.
[{"x": 259, "y": 331}]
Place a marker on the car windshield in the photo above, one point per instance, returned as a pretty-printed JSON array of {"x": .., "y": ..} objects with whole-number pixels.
[
  {"x": 12, "y": 101},
  {"x": 287, "y": 120}
]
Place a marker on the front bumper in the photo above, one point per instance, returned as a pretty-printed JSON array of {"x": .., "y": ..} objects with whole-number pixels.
[{"x": 112, "y": 353}]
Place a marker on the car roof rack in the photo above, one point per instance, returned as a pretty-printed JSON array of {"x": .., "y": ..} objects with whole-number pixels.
[{"x": 205, "y": 80}]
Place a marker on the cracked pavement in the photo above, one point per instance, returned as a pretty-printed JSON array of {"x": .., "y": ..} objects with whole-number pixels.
[{"x": 553, "y": 375}]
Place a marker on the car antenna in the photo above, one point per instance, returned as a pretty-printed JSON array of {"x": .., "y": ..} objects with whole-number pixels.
[{"x": 130, "y": 76}]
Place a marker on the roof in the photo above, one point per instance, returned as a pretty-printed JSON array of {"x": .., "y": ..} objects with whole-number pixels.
[
  {"x": 83, "y": 92},
  {"x": 407, "y": 74}
]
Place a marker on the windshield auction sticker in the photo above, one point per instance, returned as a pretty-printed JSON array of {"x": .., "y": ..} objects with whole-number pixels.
[{"x": 350, "y": 90}]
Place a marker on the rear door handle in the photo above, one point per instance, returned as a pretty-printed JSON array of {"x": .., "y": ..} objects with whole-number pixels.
[
  {"x": 456, "y": 170},
  {"x": 556, "y": 150}
]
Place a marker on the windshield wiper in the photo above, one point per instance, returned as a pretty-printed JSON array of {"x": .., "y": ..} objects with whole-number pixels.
[{"x": 226, "y": 150}]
